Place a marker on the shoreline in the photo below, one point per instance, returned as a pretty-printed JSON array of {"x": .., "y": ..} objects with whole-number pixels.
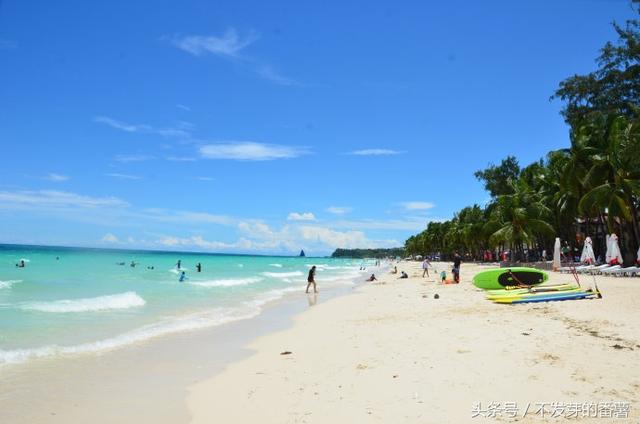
[
  {"x": 101, "y": 387},
  {"x": 393, "y": 353}
]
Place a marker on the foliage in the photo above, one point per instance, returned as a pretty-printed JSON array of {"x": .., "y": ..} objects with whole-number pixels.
[{"x": 368, "y": 253}]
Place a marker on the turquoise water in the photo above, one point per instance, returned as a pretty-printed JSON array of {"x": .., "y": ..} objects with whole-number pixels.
[{"x": 69, "y": 301}]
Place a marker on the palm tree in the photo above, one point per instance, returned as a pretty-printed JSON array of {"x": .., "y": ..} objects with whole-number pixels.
[
  {"x": 519, "y": 218},
  {"x": 614, "y": 175}
]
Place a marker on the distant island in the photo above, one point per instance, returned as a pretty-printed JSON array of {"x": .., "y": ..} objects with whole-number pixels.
[{"x": 368, "y": 253}]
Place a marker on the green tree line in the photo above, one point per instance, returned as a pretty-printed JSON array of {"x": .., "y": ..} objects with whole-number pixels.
[
  {"x": 591, "y": 188},
  {"x": 368, "y": 253}
]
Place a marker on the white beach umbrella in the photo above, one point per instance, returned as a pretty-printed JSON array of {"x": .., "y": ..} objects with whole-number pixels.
[
  {"x": 614, "y": 250},
  {"x": 556, "y": 254},
  {"x": 607, "y": 256},
  {"x": 638, "y": 256},
  {"x": 587, "y": 252}
]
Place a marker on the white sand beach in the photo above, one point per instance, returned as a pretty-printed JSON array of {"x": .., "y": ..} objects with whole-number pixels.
[{"x": 391, "y": 353}]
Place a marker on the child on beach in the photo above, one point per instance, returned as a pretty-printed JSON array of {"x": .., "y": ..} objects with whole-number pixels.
[{"x": 443, "y": 277}]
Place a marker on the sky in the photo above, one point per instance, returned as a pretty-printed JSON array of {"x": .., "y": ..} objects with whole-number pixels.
[{"x": 270, "y": 127}]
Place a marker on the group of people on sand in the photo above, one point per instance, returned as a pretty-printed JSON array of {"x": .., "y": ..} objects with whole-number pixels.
[{"x": 426, "y": 264}]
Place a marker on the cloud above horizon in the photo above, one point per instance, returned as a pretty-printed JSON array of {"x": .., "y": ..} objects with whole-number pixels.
[
  {"x": 123, "y": 176},
  {"x": 376, "y": 152},
  {"x": 45, "y": 199},
  {"x": 109, "y": 238},
  {"x": 305, "y": 216},
  {"x": 229, "y": 46},
  {"x": 416, "y": 205},
  {"x": 250, "y": 151},
  {"x": 56, "y": 177},
  {"x": 133, "y": 158},
  {"x": 339, "y": 210},
  {"x": 180, "y": 131}
]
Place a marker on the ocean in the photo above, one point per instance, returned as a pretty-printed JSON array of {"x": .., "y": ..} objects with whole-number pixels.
[{"x": 73, "y": 301}]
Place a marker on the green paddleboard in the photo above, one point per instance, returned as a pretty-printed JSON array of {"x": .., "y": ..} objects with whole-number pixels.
[{"x": 499, "y": 278}]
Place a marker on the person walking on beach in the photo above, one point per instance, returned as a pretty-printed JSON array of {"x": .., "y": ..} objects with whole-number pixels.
[
  {"x": 183, "y": 276},
  {"x": 456, "y": 267},
  {"x": 425, "y": 267},
  {"x": 311, "y": 279}
]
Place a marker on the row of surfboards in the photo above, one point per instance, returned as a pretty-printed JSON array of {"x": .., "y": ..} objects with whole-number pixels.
[{"x": 524, "y": 285}]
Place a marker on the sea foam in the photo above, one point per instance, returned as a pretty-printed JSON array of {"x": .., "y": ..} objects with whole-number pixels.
[
  {"x": 226, "y": 282},
  {"x": 283, "y": 274},
  {"x": 171, "y": 325},
  {"x": 101, "y": 303},
  {"x": 8, "y": 283}
]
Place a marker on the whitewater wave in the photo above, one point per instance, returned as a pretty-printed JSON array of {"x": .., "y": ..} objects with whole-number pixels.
[
  {"x": 227, "y": 282},
  {"x": 8, "y": 283},
  {"x": 283, "y": 274},
  {"x": 276, "y": 265},
  {"x": 161, "y": 328},
  {"x": 101, "y": 303},
  {"x": 171, "y": 325}
]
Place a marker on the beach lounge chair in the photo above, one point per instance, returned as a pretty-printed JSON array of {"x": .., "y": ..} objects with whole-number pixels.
[
  {"x": 586, "y": 269},
  {"x": 606, "y": 267},
  {"x": 628, "y": 271},
  {"x": 569, "y": 269}
]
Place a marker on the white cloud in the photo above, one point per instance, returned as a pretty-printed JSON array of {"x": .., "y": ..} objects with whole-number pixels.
[
  {"x": 180, "y": 159},
  {"x": 56, "y": 177},
  {"x": 406, "y": 224},
  {"x": 339, "y": 210},
  {"x": 267, "y": 72},
  {"x": 183, "y": 107},
  {"x": 251, "y": 151},
  {"x": 133, "y": 158},
  {"x": 305, "y": 216},
  {"x": 376, "y": 152},
  {"x": 187, "y": 217},
  {"x": 229, "y": 45},
  {"x": 123, "y": 176},
  {"x": 110, "y": 238},
  {"x": 205, "y": 178},
  {"x": 55, "y": 199},
  {"x": 179, "y": 132},
  {"x": 412, "y": 206},
  {"x": 260, "y": 237}
]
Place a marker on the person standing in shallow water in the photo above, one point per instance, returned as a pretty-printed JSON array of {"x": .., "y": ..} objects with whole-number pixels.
[{"x": 311, "y": 279}]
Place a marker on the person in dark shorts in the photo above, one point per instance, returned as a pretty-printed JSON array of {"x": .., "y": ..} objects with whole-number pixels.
[
  {"x": 456, "y": 267},
  {"x": 311, "y": 279}
]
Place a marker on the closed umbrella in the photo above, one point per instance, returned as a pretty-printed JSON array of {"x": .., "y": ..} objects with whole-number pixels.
[
  {"x": 607, "y": 256},
  {"x": 638, "y": 256},
  {"x": 588, "y": 256},
  {"x": 614, "y": 251},
  {"x": 556, "y": 254}
]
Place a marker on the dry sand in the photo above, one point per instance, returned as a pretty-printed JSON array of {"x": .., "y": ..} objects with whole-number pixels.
[{"x": 391, "y": 353}]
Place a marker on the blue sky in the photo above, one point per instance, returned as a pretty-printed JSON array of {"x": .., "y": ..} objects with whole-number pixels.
[{"x": 269, "y": 127}]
